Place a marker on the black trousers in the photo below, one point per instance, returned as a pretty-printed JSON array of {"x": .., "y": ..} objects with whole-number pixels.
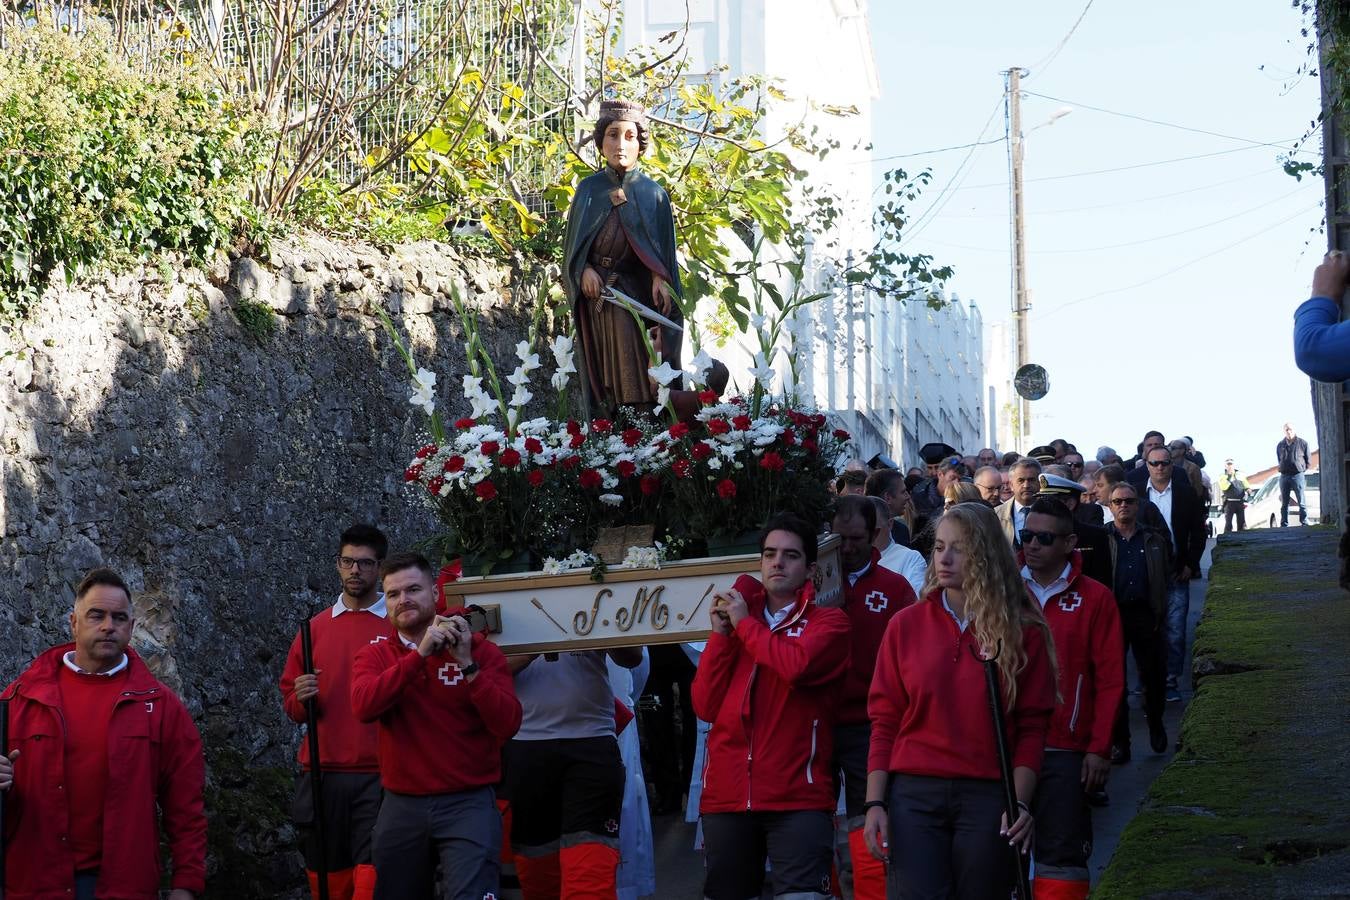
[
  {"x": 1144, "y": 639},
  {"x": 562, "y": 791},
  {"x": 944, "y": 838},
  {"x": 797, "y": 843},
  {"x": 669, "y": 726},
  {"x": 351, "y": 805},
  {"x": 1063, "y": 818},
  {"x": 1234, "y": 508}
]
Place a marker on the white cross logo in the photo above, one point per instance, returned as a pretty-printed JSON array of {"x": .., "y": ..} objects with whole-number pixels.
[
  {"x": 1070, "y": 602},
  {"x": 445, "y": 678},
  {"x": 796, "y": 630},
  {"x": 877, "y": 601},
  {"x": 383, "y": 637},
  {"x": 149, "y": 706}
]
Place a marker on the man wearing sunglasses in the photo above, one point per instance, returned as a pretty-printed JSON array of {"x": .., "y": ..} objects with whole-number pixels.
[
  {"x": 1184, "y": 514},
  {"x": 1082, "y": 616},
  {"x": 347, "y": 747},
  {"x": 1142, "y": 567}
]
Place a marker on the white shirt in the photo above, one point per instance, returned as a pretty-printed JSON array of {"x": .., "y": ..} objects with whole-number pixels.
[
  {"x": 906, "y": 562},
  {"x": 1107, "y": 516},
  {"x": 1043, "y": 594},
  {"x": 1163, "y": 500},
  {"x": 1019, "y": 518},
  {"x": 777, "y": 618},
  {"x": 854, "y": 576},
  {"x": 375, "y": 609},
  {"x": 69, "y": 660},
  {"x": 960, "y": 623}
]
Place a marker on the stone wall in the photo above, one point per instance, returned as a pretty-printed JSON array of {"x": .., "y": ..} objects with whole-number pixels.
[{"x": 150, "y": 422}]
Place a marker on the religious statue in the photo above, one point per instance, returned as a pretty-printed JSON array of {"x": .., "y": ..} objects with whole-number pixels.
[{"x": 621, "y": 235}]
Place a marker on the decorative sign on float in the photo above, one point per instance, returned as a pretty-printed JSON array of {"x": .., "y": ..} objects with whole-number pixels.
[{"x": 536, "y": 613}]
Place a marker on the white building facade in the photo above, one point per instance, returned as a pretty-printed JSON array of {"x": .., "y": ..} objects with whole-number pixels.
[{"x": 898, "y": 374}]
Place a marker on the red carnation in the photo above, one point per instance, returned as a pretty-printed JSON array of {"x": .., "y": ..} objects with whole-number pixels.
[
  {"x": 817, "y": 420},
  {"x": 726, "y": 489},
  {"x": 489, "y": 447},
  {"x": 718, "y": 426},
  {"x": 700, "y": 451},
  {"x": 810, "y": 445},
  {"x": 573, "y": 426},
  {"x": 464, "y": 423},
  {"x": 771, "y": 461},
  {"x": 788, "y": 437},
  {"x": 534, "y": 445},
  {"x": 625, "y": 468},
  {"x": 510, "y": 458},
  {"x": 678, "y": 430},
  {"x": 571, "y": 462},
  {"x": 589, "y": 478},
  {"x": 842, "y": 434},
  {"x": 424, "y": 452},
  {"x": 601, "y": 426},
  {"x": 485, "y": 490},
  {"x": 650, "y": 485},
  {"x": 535, "y": 478},
  {"x": 434, "y": 486},
  {"x": 707, "y": 398},
  {"x": 576, "y": 441},
  {"x": 632, "y": 437},
  {"x": 454, "y": 464},
  {"x": 413, "y": 472},
  {"x": 681, "y": 468},
  {"x": 741, "y": 423}
]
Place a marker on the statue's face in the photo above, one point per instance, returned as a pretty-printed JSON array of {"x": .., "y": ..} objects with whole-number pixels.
[{"x": 621, "y": 145}]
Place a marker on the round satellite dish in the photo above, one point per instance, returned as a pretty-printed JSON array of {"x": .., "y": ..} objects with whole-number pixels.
[{"x": 1032, "y": 381}]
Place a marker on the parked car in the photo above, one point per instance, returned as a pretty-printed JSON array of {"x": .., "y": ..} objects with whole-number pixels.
[{"x": 1263, "y": 510}]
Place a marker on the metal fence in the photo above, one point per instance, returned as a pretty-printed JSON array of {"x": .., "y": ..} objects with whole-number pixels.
[{"x": 388, "y": 66}]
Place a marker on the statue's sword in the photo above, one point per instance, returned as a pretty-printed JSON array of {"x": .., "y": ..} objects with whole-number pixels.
[{"x": 611, "y": 294}]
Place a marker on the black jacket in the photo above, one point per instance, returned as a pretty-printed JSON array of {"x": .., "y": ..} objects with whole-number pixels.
[
  {"x": 1188, "y": 518},
  {"x": 1292, "y": 456},
  {"x": 1095, "y": 546}
]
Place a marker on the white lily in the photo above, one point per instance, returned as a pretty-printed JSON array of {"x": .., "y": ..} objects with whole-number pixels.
[
  {"x": 662, "y": 396},
  {"x": 520, "y": 397},
  {"x": 763, "y": 372},
  {"x": 519, "y": 377},
  {"x": 522, "y": 350},
  {"x": 559, "y": 381},
  {"x": 758, "y": 321},
  {"x": 701, "y": 362},
  {"x": 423, "y": 389},
  {"x": 664, "y": 374}
]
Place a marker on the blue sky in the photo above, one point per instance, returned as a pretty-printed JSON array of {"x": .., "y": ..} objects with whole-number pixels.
[{"x": 1162, "y": 293}]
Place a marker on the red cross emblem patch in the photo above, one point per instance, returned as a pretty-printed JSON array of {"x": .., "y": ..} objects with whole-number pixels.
[
  {"x": 877, "y": 601},
  {"x": 1071, "y": 601},
  {"x": 445, "y": 677},
  {"x": 796, "y": 630}
]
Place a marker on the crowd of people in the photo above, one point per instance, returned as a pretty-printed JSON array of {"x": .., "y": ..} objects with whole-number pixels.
[{"x": 1008, "y": 583}]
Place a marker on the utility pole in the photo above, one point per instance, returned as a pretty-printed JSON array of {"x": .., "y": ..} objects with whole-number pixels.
[{"x": 1013, "y": 119}]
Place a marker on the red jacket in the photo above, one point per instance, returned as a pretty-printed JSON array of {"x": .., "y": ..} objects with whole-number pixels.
[
  {"x": 771, "y": 697},
  {"x": 154, "y": 759},
  {"x": 870, "y": 603},
  {"x": 930, "y": 707},
  {"x": 1085, "y": 624},
  {"x": 438, "y": 733},
  {"x": 345, "y": 744}
]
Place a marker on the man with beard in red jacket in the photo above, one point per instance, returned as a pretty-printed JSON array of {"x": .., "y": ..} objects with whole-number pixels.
[
  {"x": 769, "y": 682},
  {"x": 103, "y": 753},
  {"x": 1085, "y": 625},
  {"x": 872, "y": 596},
  {"x": 442, "y": 698}
]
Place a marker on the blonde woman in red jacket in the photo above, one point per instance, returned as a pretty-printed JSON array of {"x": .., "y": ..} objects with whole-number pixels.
[
  {"x": 769, "y": 682},
  {"x": 934, "y": 797}
]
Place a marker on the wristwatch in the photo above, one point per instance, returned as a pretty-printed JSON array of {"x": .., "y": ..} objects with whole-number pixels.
[
  {"x": 880, "y": 804},
  {"x": 470, "y": 669}
]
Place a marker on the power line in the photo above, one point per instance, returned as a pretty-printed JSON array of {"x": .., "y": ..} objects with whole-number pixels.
[
  {"x": 928, "y": 215},
  {"x": 1159, "y": 162},
  {"x": 1264, "y": 170},
  {"x": 1185, "y": 265},
  {"x": 1123, "y": 115},
  {"x": 1047, "y": 60},
  {"x": 937, "y": 150}
]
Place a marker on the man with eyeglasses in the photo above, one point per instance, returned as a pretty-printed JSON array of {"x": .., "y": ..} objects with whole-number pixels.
[
  {"x": 989, "y": 481},
  {"x": 1085, "y": 624},
  {"x": 347, "y": 747},
  {"x": 1184, "y": 515},
  {"x": 1142, "y": 567},
  {"x": 1025, "y": 477}
]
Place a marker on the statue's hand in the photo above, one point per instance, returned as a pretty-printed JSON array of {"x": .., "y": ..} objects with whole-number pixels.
[
  {"x": 662, "y": 297},
  {"x": 591, "y": 285}
]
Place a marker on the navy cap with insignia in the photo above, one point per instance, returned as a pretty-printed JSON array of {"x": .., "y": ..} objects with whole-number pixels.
[
  {"x": 1042, "y": 454},
  {"x": 1059, "y": 486},
  {"x": 935, "y": 453}
]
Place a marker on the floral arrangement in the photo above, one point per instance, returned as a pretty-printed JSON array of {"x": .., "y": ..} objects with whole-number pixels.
[{"x": 526, "y": 491}]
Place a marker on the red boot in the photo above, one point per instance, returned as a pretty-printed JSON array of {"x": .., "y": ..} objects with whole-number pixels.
[
  {"x": 1058, "y": 889},
  {"x": 589, "y": 871},
  {"x": 869, "y": 873}
]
